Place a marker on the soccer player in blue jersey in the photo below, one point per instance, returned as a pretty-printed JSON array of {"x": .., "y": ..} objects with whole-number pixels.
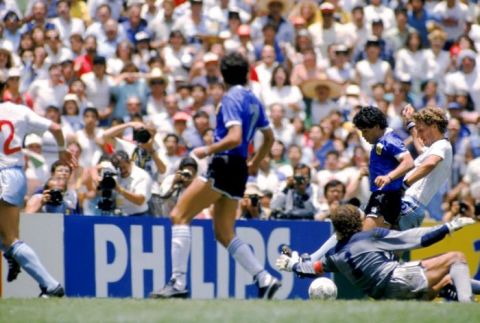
[
  {"x": 239, "y": 115},
  {"x": 389, "y": 162},
  {"x": 368, "y": 261}
]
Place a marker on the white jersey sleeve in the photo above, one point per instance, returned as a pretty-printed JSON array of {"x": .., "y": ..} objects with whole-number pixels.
[{"x": 36, "y": 123}]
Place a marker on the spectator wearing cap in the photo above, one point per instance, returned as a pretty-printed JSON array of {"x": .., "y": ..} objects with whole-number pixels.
[
  {"x": 438, "y": 59},
  {"x": 397, "y": 36},
  {"x": 12, "y": 93},
  {"x": 71, "y": 118},
  {"x": 162, "y": 25},
  {"x": 131, "y": 85},
  {"x": 143, "y": 50},
  {"x": 65, "y": 24},
  {"x": 8, "y": 6},
  {"x": 45, "y": 92},
  {"x": 98, "y": 87},
  {"x": 377, "y": 10},
  {"x": 281, "y": 91},
  {"x": 276, "y": 11},
  {"x": 321, "y": 90},
  {"x": 38, "y": 17},
  {"x": 466, "y": 78},
  {"x": 158, "y": 83},
  {"x": 452, "y": 17},
  {"x": 211, "y": 69},
  {"x": 341, "y": 71},
  {"x": 177, "y": 55},
  {"x": 328, "y": 31},
  {"x": 12, "y": 32},
  {"x": 269, "y": 39},
  {"x": 372, "y": 69},
  {"x": 55, "y": 49}
]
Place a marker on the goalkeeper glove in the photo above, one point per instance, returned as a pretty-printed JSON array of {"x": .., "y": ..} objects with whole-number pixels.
[{"x": 458, "y": 223}]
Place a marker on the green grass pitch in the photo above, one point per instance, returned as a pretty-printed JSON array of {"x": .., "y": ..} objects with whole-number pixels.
[{"x": 136, "y": 310}]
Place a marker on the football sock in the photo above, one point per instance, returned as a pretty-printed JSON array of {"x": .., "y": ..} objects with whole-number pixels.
[
  {"x": 461, "y": 279},
  {"x": 242, "y": 253},
  {"x": 475, "y": 286},
  {"x": 181, "y": 241},
  {"x": 28, "y": 260},
  {"x": 329, "y": 244}
]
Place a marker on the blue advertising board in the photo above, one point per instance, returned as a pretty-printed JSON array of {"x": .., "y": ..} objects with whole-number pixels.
[{"x": 130, "y": 257}]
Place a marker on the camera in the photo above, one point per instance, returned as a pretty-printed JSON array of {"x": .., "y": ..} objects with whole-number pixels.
[
  {"x": 106, "y": 186},
  {"x": 186, "y": 173},
  {"x": 141, "y": 135},
  {"x": 463, "y": 208},
  {"x": 254, "y": 199},
  {"x": 299, "y": 179},
  {"x": 56, "y": 197}
]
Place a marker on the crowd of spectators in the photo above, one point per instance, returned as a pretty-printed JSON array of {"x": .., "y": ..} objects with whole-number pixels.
[{"x": 135, "y": 85}]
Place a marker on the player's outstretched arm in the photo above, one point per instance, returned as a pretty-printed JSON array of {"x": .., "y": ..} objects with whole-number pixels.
[{"x": 423, "y": 169}]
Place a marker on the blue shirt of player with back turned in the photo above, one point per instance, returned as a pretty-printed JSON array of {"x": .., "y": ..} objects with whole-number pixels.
[
  {"x": 240, "y": 106},
  {"x": 384, "y": 157}
]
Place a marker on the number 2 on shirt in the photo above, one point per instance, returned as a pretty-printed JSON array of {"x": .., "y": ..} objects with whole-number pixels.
[{"x": 6, "y": 146}]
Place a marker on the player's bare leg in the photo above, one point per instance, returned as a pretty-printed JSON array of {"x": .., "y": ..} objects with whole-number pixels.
[
  {"x": 196, "y": 197},
  {"x": 451, "y": 264},
  {"x": 19, "y": 253},
  {"x": 224, "y": 223}
]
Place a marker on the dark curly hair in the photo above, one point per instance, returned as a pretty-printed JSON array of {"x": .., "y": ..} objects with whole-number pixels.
[
  {"x": 432, "y": 116},
  {"x": 346, "y": 220},
  {"x": 369, "y": 117},
  {"x": 234, "y": 68}
]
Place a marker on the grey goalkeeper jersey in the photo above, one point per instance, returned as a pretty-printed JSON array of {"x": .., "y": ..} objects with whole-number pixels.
[{"x": 367, "y": 258}]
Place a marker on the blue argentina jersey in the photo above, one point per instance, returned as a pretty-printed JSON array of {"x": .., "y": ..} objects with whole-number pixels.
[
  {"x": 240, "y": 106},
  {"x": 384, "y": 158}
]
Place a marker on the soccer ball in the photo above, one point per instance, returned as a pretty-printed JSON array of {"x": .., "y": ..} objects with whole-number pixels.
[{"x": 323, "y": 289}]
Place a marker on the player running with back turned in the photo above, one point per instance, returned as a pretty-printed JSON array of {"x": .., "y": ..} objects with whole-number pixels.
[{"x": 239, "y": 115}]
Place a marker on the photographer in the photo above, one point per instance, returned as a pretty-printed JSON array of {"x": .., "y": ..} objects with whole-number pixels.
[
  {"x": 334, "y": 192},
  {"x": 295, "y": 202},
  {"x": 250, "y": 206},
  {"x": 53, "y": 198},
  {"x": 143, "y": 152},
  {"x": 460, "y": 209},
  {"x": 174, "y": 184},
  {"x": 133, "y": 186}
]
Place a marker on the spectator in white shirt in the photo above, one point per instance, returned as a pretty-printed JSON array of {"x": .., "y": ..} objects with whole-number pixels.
[
  {"x": 65, "y": 24},
  {"x": 48, "y": 92}
]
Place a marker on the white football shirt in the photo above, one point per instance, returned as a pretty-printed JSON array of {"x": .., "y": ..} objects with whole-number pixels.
[{"x": 16, "y": 121}]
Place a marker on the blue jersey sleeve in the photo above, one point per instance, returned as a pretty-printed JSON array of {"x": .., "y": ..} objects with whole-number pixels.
[
  {"x": 394, "y": 146},
  {"x": 262, "y": 118},
  {"x": 231, "y": 111}
]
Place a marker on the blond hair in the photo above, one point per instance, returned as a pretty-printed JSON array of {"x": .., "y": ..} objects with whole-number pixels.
[{"x": 432, "y": 116}]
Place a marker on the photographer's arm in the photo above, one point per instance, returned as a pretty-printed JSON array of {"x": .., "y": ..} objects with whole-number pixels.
[
  {"x": 137, "y": 199},
  {"x": 110, "y": 134},
  {"x": 35, "y": 203},
  {"x": 150, "y": 149},
  {"x": 63, "y": 154}
]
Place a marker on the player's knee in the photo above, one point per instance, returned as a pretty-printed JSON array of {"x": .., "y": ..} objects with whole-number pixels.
[
  {"x": 457, "y": 256},
  {"x": 224, "y": 238},
  {"x": 177, "y": 217}
]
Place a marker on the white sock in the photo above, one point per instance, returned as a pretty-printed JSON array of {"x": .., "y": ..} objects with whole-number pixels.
[
  {"x": 242, "y": 253},
  {"x": 327, "y": 245},
  {"x": 181, "y": 241},
  {"x": 461, "y": 279}
]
